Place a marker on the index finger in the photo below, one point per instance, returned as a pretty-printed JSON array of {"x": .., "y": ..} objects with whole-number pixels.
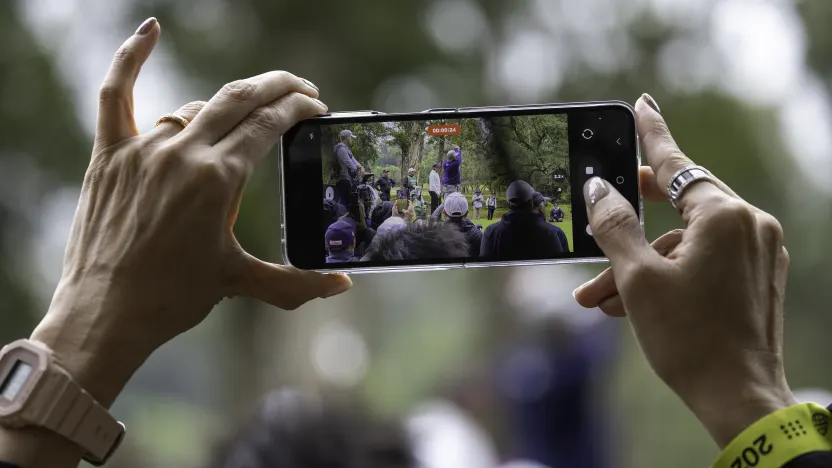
[
  {"x": 115, "y": 106},
  {"x": 664, "y": 156}
]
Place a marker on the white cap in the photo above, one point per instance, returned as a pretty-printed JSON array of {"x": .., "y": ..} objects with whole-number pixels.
[
  {"x": 456, "y": 205},
  {"x": 411, "y": 170},
  {"x": 347, "y": 133}
]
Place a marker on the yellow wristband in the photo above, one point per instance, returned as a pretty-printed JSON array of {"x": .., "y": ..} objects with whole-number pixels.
[{"x": 778, "y": 438}]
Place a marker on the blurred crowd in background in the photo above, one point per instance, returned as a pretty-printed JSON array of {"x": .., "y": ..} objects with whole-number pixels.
[{"x": 483, "y": 365}]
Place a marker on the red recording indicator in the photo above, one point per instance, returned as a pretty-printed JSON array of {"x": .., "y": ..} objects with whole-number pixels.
[{"x": 440, "y": 130}]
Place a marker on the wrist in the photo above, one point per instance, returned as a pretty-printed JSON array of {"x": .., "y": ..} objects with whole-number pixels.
[
  {"x": 734, "y": 406},
  {"x": 99, "y": 355}
]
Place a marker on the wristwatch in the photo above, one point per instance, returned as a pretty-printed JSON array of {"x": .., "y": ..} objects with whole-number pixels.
[{"x": 36, "y": 391}]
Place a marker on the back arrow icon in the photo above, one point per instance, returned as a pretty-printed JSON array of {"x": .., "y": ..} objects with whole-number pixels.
[{"x": 618, "y": 141}]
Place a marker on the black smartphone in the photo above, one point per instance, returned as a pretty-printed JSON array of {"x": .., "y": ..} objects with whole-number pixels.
[{"x": 445, "y": 188}]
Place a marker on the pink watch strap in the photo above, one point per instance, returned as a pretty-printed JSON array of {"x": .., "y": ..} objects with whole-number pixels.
[{"x": 78, "y": 417}]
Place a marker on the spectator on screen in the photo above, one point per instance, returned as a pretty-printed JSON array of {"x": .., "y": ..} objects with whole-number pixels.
[
  {"x": 434, "y": 187},
  {"x": 453, "y": 176},
  {"x": 384, "y": 184},
  {"x": 419, "y": 242},
  {"x": 521, "y": 234},
  {"x": 456, "y": 209},
  {"x": 491, "y": 204},
  {"x": 477, "y": 200},
  {"x": 380, "y": 213},
  {"x": 409, "y": 183},
  {"x": 402, "y": 214},
  {"x": 540, "y": 203},
  {"x": 340, "y": 242},
  {"x": 348, "y": 167},
  {"x": 557, "y": 214}
]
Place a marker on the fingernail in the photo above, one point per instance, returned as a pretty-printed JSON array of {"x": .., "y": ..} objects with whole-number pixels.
[
  {"x": 309, "y": 83},
  {"x": 651, "y": 102},
  {"x": 594, "y": 190},
  {"x": 146, "y": 26},
  {"x": 321, "y": 104},
  {"x": 338, "y": 288},
  {"x": 575, "y": 293}
]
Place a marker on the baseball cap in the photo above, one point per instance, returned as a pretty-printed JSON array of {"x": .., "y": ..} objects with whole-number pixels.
[
  {"x": 385, "y": 171},
  {"x": 347, "y": 133},
  {"x": 456, "y": 205},
  {"x": 437, "y": 165},
  {"x": 391, "y": 224},
  {"x": 452, "y": 153},
  {"x": 537, "y": 198},
  {"x": 411, "y": 170},
  {"x": 340, "y": 235},
  {"x": 519, "y": 193}
]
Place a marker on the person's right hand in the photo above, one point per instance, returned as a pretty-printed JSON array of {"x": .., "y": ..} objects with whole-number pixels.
[
  {"x": 152, "y": 246},
  {"x": 706, "y": 303}
]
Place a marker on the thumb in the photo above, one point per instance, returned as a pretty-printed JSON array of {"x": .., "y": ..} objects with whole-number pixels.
[
  {"x": 287, "y": 287},
  {"x": 615, "y": 225},
  {"x": 115, "y": 109}
]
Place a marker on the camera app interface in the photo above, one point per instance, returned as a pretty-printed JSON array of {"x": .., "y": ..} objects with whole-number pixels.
[{"x": 473, "y": 189}]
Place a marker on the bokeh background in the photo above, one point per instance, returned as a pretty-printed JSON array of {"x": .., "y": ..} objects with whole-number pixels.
[{"x": 744, "y": 85}]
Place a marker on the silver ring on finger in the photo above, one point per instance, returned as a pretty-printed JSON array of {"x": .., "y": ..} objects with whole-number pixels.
[
  {"x": 683, "y": 178},
  {"x": 172, "y": 118}
]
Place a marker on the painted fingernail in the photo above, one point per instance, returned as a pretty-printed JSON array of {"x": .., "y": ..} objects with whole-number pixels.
[
  {"x": 594, "y": 190},
  {"x": 325, "y": 107},
  {"x": 146, "y": 26},
  {"x": 651, "y": 102},
  {"x": 309, "y": 83}
]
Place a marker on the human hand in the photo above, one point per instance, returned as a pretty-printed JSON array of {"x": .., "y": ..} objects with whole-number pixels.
[
  {"x": 361, "y": 223},
  {"x": 706, "y": 303},
  {"x": 411, "y": 211},
  {"x": 152, "y": 247}
]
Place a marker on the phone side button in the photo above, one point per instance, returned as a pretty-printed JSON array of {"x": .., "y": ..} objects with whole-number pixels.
[{"x": 441, "y": 110}]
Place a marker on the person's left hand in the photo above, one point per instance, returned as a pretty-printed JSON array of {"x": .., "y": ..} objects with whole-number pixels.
[{"x": 152, "y": 246}]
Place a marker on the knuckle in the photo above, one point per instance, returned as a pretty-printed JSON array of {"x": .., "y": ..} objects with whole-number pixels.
[
  {"x": 283, "y": 75},
  {"x": 638, "y": 273},
  {"x": 110, "y": 93},
  {"x": 125, "y": 56},
  {"x": 239, "y": 90},
  {"x": 676, "y": 158},
  {"x": 612, "y": 222},
  {"x": 192, "y": 107},
  {"x": 734, "y": 216},
  {"x": 658, "y": 131},
  {"x": 237, "y": 168},
  {"x": 785, "y": 258},
  {"x": 265, "y": 118},
  {"x": 769, "y": 225},
  {"x": 210, "y": 171}
]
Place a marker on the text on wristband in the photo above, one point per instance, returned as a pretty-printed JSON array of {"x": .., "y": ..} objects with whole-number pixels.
[{"x": 751, "y": 455}]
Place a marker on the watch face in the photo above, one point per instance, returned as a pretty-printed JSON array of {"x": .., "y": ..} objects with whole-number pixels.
[
  {"x": 21, "y": 366},
  {"x": 14, "y": 381}
]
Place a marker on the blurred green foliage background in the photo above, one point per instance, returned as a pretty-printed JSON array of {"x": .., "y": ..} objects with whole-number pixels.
[{"x": 744, "y": 85}]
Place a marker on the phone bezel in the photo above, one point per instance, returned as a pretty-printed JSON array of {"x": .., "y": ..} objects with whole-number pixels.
[{"x": 352, "y": 116}]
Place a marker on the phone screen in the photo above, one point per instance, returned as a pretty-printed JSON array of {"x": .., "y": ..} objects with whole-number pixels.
[{"x": 473, "y": 187}]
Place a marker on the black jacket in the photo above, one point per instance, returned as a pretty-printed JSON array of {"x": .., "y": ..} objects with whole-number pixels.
[
  {"x": 520, "y": 235},
  {"x": 385, "y": 184},
  {"x": 472, "y": 234}
]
